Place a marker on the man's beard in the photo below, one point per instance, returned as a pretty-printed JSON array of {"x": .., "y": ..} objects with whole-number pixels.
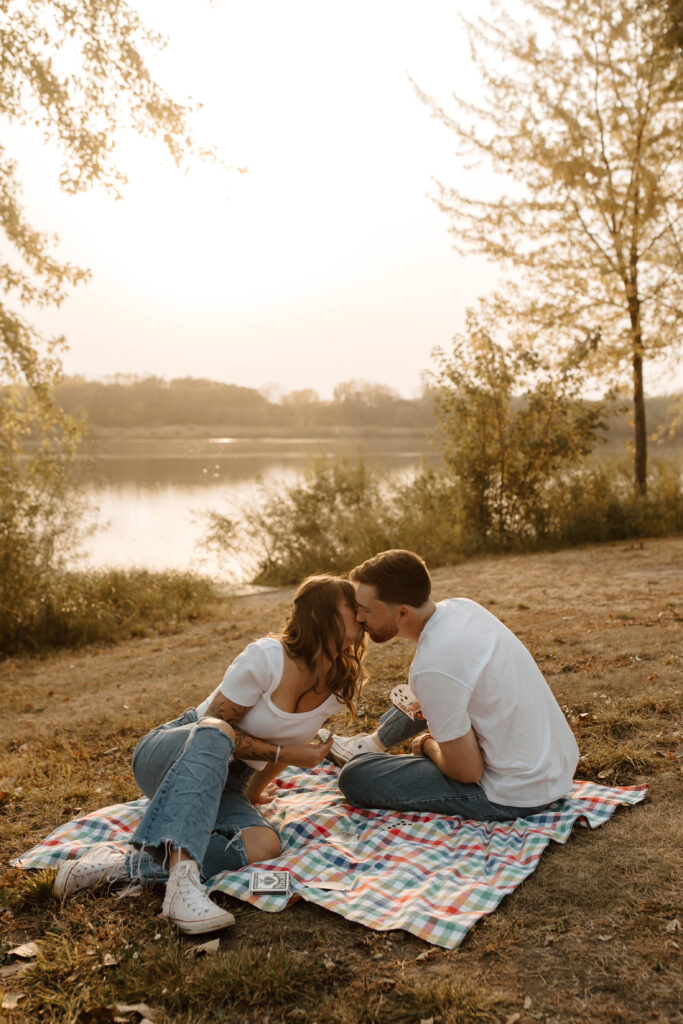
[{"x": 384, "y": 633}]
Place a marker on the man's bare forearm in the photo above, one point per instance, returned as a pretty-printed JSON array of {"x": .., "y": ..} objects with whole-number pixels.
[{"x": 460, "y": 760}]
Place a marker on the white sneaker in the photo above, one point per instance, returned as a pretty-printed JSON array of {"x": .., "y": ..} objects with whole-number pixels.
[
  {"x": 187, "y": 904},
  {"x": 345, "y": 747},
  {"x": 102, "y": 864}
]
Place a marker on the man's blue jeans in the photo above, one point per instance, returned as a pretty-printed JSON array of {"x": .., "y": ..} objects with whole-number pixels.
[
  {"x": 197, "y": 802},
  {"x": 406, "y": 783}
]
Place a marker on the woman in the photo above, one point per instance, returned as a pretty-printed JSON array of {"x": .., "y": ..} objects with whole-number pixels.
[{"x": 205, "y": 771}]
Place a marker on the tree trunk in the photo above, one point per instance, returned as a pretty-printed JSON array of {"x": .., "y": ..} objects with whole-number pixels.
[
  {"x": 640, "y": 465},
  {"x": 640, "y": 434}
]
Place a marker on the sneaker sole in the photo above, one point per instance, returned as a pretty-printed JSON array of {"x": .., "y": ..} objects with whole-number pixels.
[
  {"x": 323, "y": 736},
  {"x": 61, "y": 887},
  {"x": 200, "y": 927},
  {"x": 336, "y": 759}
]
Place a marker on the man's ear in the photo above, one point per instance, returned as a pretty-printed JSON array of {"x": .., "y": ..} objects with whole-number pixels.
[{"x": 403, "y": 611}]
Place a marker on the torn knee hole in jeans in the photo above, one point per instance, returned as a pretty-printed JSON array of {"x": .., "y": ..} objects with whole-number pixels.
[{"x": 234, "y": 841}]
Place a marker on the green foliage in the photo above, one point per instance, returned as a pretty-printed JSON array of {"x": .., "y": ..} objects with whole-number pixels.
[
  {"x": 325, "y": 522},
  {"x": 674, "y": 26},
  {"x": 39, "y": 509},
  {"x": 595, "y": 502},
  {"x": 502, "y": 453},
  {"x": 77, "y": 72},
  {"x": 342, "y": 512},
  {"x": 582, "y": 111},
  {"x": 74, "y": 609}
]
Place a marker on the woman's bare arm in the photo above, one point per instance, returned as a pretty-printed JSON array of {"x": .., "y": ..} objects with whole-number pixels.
[
  {"x": 259, "y": 780},
  {"x": 250, "y": 748}
]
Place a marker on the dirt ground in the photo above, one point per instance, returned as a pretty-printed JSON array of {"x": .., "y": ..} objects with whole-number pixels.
[{"x": 593, "y": 935}]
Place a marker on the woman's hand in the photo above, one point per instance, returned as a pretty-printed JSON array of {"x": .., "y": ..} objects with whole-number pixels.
[
  {"x": 267, "y": 794},
  {"x": 305, "y": 755}
]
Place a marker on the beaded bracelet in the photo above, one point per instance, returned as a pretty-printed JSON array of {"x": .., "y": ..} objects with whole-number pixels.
[{"x": 427, "y": 736}]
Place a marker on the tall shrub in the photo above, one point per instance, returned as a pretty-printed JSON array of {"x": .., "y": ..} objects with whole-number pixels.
[{"x": 509, "y": 421}]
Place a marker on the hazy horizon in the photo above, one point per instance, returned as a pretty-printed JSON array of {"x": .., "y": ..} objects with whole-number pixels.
[{"x": 327, "y": 261}]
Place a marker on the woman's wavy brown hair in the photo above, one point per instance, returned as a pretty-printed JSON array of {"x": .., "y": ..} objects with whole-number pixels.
[{"x": 316, "y": 630}]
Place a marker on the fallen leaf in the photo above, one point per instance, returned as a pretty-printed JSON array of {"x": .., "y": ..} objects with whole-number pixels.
[
  {"x": 10, "y": 1000},
  {"x": 27, "y": 951},
  {"x": 527, "y": 1002},
  {"x": 678, "y": 754},
  {"x": 513, "y": 1018},
  {"x": 329, "y": 964},
  {"x": 4, "y": 795},
  {"x": 673, "y": 926},
  {"x": 427, "y": 1020},
  {"x": 207, "y": 948},
  {"x": 109, "y": 960},
  {"x": 11, "y": 969},
  {"x": 548, "y": 939},
  {"x": 423, "y": 955},
  {"x": 605, "y": 938},
  {"x": 130, "y": 892},
  {"x": 142, "y": 1009},
  {"x": 122, "y": 1012}
]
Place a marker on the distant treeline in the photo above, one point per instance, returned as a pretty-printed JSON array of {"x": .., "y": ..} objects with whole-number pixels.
[{"x": 151, "y": 402}]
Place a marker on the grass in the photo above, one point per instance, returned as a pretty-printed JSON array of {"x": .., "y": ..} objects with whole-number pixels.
[
  {"x": 102, "y": 606},
  {"x": 589, "y": 937}
]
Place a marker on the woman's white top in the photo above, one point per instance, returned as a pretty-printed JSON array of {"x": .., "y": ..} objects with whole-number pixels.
[{"x": 250, "y": 681}]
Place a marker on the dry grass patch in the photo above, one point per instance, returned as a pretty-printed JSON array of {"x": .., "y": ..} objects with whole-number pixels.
[{"x": 589, "y": 937}]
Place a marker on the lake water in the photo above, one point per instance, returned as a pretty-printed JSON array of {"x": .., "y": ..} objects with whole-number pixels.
[{"x": 152, "y": 495}]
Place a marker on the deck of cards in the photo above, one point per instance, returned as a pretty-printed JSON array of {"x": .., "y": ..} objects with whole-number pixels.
[
  {"x": 403, "y": 698},
  {"x": 269, "y": 883}
]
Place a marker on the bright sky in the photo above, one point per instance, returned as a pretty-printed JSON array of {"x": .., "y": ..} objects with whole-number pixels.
[{"x": 327, "y": 261}]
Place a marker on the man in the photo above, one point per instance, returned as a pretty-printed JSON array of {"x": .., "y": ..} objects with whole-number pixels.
[{"x": 497, "y": 745}]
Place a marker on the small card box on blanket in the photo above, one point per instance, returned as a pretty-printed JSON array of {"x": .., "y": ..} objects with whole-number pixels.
[{"x": 269, "y": 883}]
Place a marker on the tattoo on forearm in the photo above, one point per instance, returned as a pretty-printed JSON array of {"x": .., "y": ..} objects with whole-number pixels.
[
  {"x": 246, "y": 746},
  {"x": 250, "y": 747},
  {"x": 227, "y": 710}
]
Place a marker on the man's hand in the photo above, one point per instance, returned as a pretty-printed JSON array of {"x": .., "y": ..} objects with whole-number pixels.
[
  {"x": 305, "y": 755},
  {"x": 416, "y": 743},
  {"x": 460, "y": 759}
]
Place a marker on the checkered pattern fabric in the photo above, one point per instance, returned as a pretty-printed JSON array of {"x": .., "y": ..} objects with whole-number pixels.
[{"x": 429, "y": 874}]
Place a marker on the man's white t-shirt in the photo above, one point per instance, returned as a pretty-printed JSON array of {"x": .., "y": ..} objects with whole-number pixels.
[
  {"x": 251, "y": 680},
  {"x": 470, "y": 670}
]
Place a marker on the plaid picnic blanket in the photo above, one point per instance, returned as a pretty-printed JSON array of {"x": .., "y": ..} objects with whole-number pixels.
[{"x": 429, "y": 874}]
